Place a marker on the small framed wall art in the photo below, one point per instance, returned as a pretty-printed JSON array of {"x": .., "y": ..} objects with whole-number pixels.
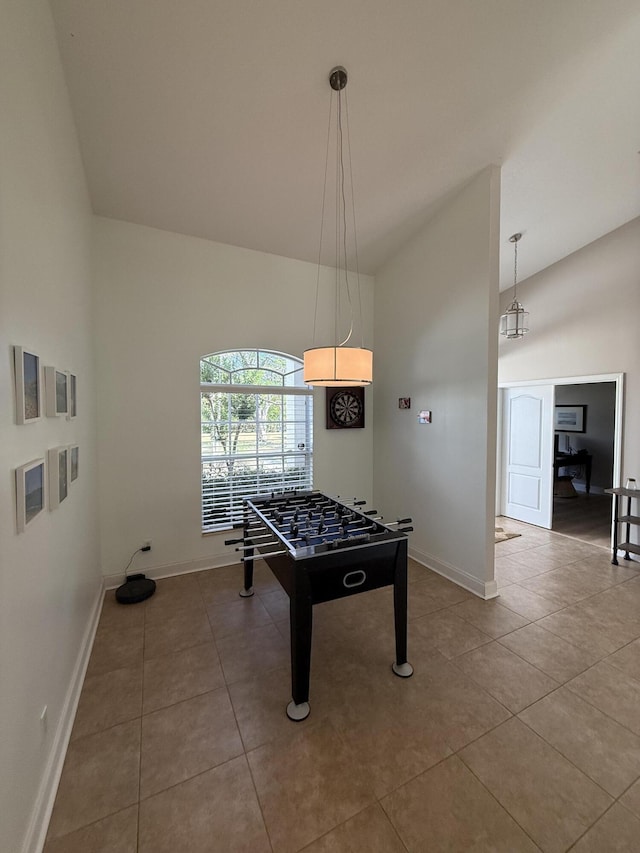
[
  {"x": 73, "y": 459},
  {"x": 56, "y": 394},
  {"x": 58, "y": 464},
  {"x": 404, "y": 402},
  {"x": 28, "y": 388},
  {"x": 30, "y": 492},
  {"x": 72, "y": 400}
]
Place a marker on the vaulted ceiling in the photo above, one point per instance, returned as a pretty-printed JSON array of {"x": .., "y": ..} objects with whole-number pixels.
[{"x": 209, "y": 118}]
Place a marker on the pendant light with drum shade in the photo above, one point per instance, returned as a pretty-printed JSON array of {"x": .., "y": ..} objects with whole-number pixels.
[
  {"x": 339, "y": 364},
  {"x": 514, "y": 322}
]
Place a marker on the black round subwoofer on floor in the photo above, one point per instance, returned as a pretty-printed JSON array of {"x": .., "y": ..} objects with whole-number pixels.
[{"x": 136, "y": 588}]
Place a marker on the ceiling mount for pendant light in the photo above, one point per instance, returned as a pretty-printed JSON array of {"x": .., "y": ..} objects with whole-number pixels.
[
  {"x": 339, "y": 364},
  {"x": 514, "y": 323}
]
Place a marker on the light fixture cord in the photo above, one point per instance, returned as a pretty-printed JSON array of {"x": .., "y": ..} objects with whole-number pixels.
[
  {"x": 344, "y": 221},
  {"x": 515, "y": 271},
  {"x": 353, "y": 215},
  {"x": 324, "y": 195}
]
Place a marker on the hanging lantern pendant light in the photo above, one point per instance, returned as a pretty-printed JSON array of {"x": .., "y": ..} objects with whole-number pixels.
[
  {"x": 514, "y": 323},
  {"x": 339, "y": 365}
]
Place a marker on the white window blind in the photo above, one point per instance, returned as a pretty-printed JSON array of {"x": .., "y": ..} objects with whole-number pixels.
[{"x": 256, "y": 431}]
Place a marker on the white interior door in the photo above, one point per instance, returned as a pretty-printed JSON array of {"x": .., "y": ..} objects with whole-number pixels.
[{"x": 527, "y": 487}]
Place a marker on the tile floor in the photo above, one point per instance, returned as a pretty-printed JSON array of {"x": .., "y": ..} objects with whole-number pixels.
[{"x": 520, "y": 730}]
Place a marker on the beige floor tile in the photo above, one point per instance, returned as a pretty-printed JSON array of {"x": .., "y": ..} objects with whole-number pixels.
[
  {"x": 460, "y": 709},
  {"x": 606, "y": 751},
  {"x": 526, "y": 603},
  {"x": 446, "y": 809},
  {"x": 489, "y": 616},
  {"x": 507, "y": 677},
  {"x": 613, "y": 692},
  {"x": 107, "y": 699},
  {"x": 308, "y": 783},
  {"x": 549, "y": 556},
  {"x": 251, "y": 653},
  {"x": 577, "y": 628},
  {"x": 218, "y": 586},
  {"x": 551, "y": 800},
  {"x": 565, "y": 584},
  {"x": 369, "y": 831},
  {"x": 627, "y": 660},
  {"x": 217, "y": 810},
  {"x": 99, "y": 778},
  {"x": 447, "y": 633},
  {"x": 117, "y": 833},
  {"x": 117, "y": 647},
  {"x": 173, "y": 594},
  {"x": 632, "y": 799},
  {"x": 238, "y": 616},
  {"x": 443, "y": 592},
  {"x": 121, "y": 616},
  {"x": 617, "y": 831},
  {"x": 186, "y": 739},
  {"x": 516, "y": 572},
  {"x": 276, "y": 604},
  {"x": 176, "y": 631},
  {"x": 387, "y": 727},
  {"x": 172, "y": 678},
  {"x": 260, "y": 706},
  {"x": 548, "y": 652},
  {"x": 421, "y": 601}
]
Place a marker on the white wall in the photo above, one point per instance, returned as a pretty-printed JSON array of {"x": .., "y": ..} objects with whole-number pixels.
[
  {"x": 49, "y": 578},
  {"x": 436, "y": 333},
  {"x": 583, "y": 316},
  {"x": 164, "y": 300}
]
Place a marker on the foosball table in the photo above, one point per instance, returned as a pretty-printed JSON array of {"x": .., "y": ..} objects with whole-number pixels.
[{"x": 321, "y": 548}]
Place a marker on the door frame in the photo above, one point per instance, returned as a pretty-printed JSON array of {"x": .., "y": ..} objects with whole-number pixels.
[{"x": 618, "y": 378}]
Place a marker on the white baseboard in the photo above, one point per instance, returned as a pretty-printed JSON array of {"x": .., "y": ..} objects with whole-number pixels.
[
  {"x": 483, "y": 589},
  {"x": 41, "y": 813},
  {"x": 169, "y": 570}
]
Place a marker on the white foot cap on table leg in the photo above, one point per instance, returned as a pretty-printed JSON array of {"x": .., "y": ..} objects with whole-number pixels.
[
  {"x": 404, "y": 670},
  {"x": 298, "y": 712},
  {"x": 246, "y": 593}
]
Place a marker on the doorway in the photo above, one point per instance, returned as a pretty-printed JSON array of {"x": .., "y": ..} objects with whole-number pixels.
[{"x": 577, "y": 449}]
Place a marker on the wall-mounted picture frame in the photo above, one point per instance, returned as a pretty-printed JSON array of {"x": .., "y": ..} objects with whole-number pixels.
[
  {"x": 73, "y": 460},
  {"x": 404, "y": 402},
  {"x": 570, "y": 419},
  {"x": 30, "y": 492},
  {"x": 345, "y": 408},
  {"x": 58, "y": 465},
  {"x": 28, "y": 385},
  {"x": 72, "y": 396},
  {"x": 56, "y": 394}
]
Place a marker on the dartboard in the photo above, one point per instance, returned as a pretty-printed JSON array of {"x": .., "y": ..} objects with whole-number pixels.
[{"x": 345, "y": 408}]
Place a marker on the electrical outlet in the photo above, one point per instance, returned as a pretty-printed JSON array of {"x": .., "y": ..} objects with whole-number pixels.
[{"x": 146, "y": 545}]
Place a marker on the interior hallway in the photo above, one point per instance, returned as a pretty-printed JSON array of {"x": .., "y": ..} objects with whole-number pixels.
[{"x": 520, "y": 730}]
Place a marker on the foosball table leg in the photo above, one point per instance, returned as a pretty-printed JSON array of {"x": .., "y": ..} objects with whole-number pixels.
[
  {"x": 301, "y": 621},
  {"x": 247, "y": 590},
  {"x": 401, "y": 667}
]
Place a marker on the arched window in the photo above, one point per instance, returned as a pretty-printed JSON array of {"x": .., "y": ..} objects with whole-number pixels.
[{"x": 257, "y": 430}]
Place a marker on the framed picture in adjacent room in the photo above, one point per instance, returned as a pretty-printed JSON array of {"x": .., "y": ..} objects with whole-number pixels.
[
  {"x": 58, "y": 465},
  {"x": 570, "y": 419},
  {"x": 30, "y": 492},
  {"x": 28, "y": 388},
  {"x": 56, "y": 392},
  {"x": 73, "y": 459},
  {"x": 72, "y": 400}
]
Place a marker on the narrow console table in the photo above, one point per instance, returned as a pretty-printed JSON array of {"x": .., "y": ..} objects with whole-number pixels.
[
  {"x": 624, "y": 522},
  {"x": 574, "y": 460}
]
